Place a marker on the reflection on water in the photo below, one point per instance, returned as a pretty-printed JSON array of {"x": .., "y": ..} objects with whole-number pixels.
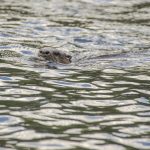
[{"x": 100, "y": 101}]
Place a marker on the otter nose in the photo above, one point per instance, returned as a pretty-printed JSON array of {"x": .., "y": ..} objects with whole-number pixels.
[{"x": 69, "y": 57}]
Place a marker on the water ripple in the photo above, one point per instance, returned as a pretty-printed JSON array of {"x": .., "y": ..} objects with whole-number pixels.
[{"x": 100, "y": 100}]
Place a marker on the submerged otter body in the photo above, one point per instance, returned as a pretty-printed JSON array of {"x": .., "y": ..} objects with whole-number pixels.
[{"x": 54, "y": 56}]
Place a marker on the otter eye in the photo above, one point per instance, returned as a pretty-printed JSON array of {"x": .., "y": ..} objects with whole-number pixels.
[
  {"x": 47, "y": 52},
  {"x": 41, "y": 51},
  {"x": 56, "y": 53},
  {"x": 68, "y": 56}
]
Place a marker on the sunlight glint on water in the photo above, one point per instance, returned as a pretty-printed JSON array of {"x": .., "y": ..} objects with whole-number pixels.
[{"x": 101, "y": 100}]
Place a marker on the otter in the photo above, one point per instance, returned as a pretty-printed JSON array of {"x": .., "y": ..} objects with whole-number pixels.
[
  {"x": 43, "y": 54},
  {"x": 54, "y": 56}
]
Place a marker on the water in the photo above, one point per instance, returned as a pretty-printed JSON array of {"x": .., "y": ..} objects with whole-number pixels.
[{"x": 100, "y": 101}]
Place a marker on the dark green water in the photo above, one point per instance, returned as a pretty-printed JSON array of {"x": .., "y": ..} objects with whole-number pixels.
[{"x": 101, "y": 101}]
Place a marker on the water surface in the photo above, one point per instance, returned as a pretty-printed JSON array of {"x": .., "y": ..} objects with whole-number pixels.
[{"x": 101, "y": 100}]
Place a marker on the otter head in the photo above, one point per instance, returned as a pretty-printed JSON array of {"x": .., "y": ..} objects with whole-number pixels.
[{"x": 55, "y": 56}]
